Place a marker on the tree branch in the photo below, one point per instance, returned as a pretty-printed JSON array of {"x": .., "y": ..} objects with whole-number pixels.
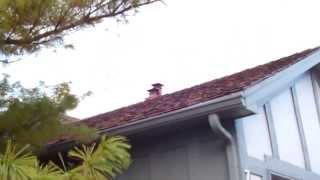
[{"x": 72, "y": 25}]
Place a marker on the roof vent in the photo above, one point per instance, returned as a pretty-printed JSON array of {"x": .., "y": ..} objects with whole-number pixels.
[{"x": 156, "y": 91}]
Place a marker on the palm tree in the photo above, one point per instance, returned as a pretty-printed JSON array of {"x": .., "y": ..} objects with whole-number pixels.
[
  {"x": 98, "y": 162},
  {"x": 104, "y": 161},
  {"x": 49, "y": 171},
  {"x": 16, "y": 164},
  {"x": 22, "y": 165}
]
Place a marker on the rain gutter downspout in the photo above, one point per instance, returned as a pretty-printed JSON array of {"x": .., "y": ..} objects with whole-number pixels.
[{"x": 231, "y": 149}]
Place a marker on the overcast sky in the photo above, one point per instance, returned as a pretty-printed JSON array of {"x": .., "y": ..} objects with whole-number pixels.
[{"x": 180, "y": 44}]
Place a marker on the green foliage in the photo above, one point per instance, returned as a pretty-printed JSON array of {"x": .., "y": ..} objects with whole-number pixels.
[
  {"x": 28, "y": 25},
  {"x": 33, "y": 116},
  {"x": 106, "y": 160},
  {"x": 98, "y": 162},
  {"x": 15, "y": 164},
  {"x": 49, "y": 171}
]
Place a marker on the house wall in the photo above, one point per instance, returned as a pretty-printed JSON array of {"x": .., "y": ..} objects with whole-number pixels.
[
  {"x": 283, "y": 137},
  {"x": 188, "y": 153}
]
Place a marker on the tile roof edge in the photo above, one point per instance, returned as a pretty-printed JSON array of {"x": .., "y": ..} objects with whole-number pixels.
[{"x": 163, "y": 115}]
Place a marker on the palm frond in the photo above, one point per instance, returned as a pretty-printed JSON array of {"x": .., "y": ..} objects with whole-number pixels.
[
  {"x": 103, "y": 161},
  {"x": 16, "y": 164}
]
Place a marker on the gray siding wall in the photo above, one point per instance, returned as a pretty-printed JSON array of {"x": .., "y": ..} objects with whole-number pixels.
[{"x": 188, "y": 154}]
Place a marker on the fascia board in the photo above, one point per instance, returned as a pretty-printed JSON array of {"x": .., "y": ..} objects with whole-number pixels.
[{"x": 262, "y": 92}]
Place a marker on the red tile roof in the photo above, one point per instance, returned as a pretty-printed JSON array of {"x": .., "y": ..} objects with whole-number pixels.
[{"x": 194, "y": 95}]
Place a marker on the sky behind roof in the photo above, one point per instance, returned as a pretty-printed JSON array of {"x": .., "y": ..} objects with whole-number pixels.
[{"x": 179, "y": 44}]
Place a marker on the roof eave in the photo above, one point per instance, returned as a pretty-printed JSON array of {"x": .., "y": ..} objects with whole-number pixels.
[{"x": 229, "y": 106}]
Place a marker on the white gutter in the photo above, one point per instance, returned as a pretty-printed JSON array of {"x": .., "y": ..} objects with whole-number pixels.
[{"x": 220, "y": 100}]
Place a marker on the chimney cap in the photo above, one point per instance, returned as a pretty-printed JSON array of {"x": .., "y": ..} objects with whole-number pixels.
[
  {"x": 155, "y": 91},
  {"x": 157, "y": 85}
]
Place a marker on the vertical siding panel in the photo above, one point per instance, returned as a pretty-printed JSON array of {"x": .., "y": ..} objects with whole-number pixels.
[{"x": 190, "y": 155}]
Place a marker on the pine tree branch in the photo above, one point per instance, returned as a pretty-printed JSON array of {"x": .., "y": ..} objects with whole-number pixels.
[{"x": 83, "y": 21}]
